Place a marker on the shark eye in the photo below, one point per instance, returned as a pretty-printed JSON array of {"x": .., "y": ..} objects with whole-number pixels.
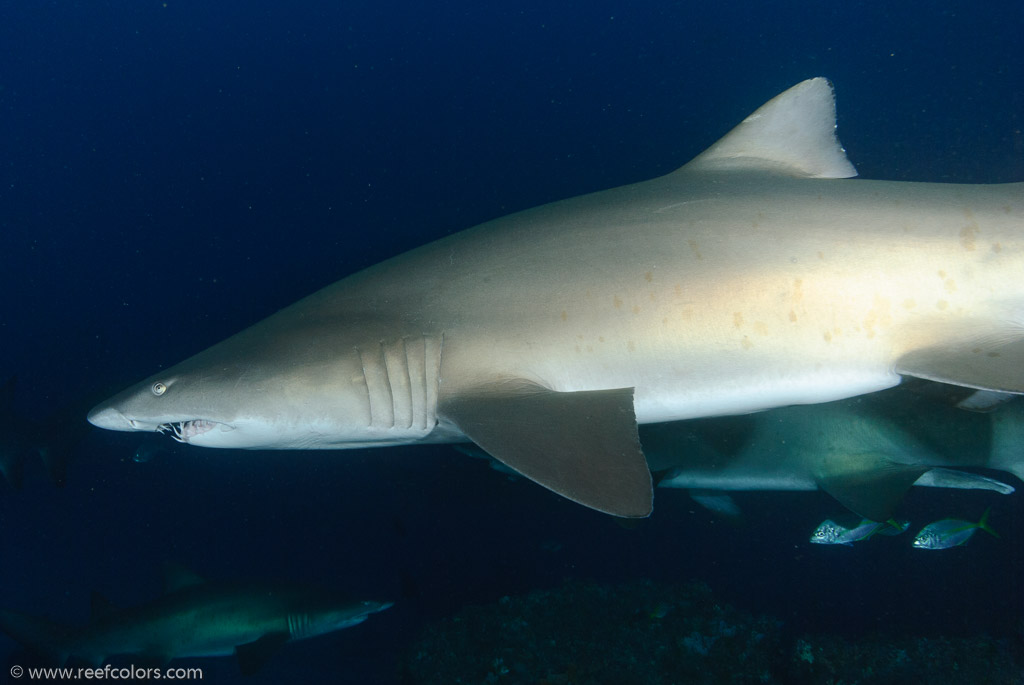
[{"x": 159, "y": 388}]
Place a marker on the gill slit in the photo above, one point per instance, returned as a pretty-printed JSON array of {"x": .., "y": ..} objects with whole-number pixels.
[
  {"x": 387, "y": 382},
  {"x": 366, "y": 387},
  {"x": 408, "y": 386}
]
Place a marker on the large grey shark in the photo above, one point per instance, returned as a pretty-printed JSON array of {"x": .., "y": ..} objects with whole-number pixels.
[
  {"x": 755, "y": 276},
  {"x": 195, "y": 618}
]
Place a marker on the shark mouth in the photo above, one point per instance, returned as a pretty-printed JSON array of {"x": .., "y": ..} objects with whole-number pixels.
[{"x": 183, "y": 431}]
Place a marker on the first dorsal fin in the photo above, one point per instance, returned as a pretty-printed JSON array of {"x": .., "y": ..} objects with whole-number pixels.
[{"x": 793, "y": 134}]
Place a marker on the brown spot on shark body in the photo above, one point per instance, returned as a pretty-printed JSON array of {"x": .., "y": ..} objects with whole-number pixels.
[
  {"x": 968, "y": 236},
  {"x": 696, "y": 251}
]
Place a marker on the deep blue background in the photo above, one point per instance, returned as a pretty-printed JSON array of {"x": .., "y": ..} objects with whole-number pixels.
[{"x": 172, "y": 172}]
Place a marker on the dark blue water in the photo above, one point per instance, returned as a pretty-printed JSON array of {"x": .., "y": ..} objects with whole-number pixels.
[{"x": 172, "y": 172}]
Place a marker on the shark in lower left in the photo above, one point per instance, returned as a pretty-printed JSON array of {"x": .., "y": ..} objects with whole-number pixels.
[{"x": 195, "y": 618}]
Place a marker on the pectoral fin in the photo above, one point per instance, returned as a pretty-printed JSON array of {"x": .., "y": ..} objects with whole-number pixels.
[
  {"x": 867, "y": 484},
  {"x": 581, "y": 445},
  {"x": 987, "y": 364}
]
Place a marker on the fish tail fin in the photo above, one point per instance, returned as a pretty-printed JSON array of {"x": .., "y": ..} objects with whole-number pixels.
[
  {"x": 983, "y": 524},
  {"x": 889, "y": 527}
]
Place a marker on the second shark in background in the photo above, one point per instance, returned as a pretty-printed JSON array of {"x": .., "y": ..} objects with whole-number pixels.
[
  {"x": 866, "y": 452},
  {"x": 194, "y": 618}
]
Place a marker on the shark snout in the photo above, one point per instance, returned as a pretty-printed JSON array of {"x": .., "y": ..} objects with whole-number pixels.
[{"x": 107, "y": 417}]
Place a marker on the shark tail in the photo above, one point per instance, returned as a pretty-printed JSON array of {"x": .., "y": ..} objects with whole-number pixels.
[{"x": 46, "y": 638}]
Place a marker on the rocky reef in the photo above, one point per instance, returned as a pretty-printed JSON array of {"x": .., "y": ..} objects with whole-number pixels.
[{"x": 646, "y": 633}]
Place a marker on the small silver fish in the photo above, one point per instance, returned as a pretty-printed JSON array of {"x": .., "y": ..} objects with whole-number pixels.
[
  {"x": 832, "y": 533},
  {"x": 950, "y": 533}
]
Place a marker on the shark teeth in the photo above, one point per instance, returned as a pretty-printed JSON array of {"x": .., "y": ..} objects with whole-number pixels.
[{"x": 183, "y": 431}]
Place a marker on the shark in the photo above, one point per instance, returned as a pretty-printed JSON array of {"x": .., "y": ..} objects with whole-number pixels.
[
  {"x": 194, "y": 617},
  {"x": 865, "y": 451},
  {"x": 757, "y": 275}
]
